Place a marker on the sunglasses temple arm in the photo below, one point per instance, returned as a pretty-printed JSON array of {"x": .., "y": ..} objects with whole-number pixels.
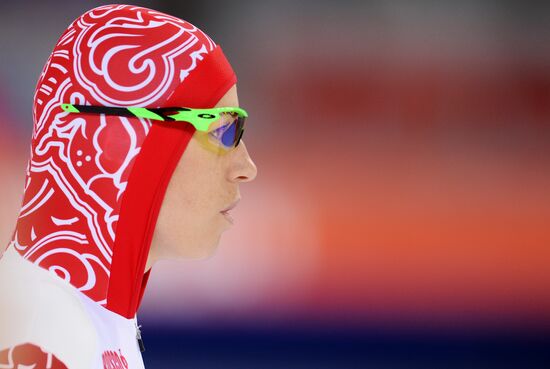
[
  {"x": 158, "y": 113},
  {"x": 104, "y": 110}
]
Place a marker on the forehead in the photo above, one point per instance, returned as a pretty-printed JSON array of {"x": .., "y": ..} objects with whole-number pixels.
[{"x": 230, "y": 98}]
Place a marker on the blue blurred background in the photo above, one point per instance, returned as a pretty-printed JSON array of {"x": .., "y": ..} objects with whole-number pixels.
[{"x": 400, "y": 214}]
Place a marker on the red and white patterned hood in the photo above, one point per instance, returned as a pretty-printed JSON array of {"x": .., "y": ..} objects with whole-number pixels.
[{"x": 95, "y": 184}]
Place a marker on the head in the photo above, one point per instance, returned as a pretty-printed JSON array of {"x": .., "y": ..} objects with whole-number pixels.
[
  {"x": 204, "y": 183},
  {"x": 96, "y": 183}
]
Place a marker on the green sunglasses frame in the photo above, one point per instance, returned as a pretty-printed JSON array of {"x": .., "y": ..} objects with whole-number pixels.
[{"x": 201, "y": 119}]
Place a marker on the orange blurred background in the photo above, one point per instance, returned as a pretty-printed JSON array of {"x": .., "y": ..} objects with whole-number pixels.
[{"x": 403, "y": 163}]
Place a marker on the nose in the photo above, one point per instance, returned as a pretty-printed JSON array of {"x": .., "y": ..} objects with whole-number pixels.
[{"x": 242, "y": 167}]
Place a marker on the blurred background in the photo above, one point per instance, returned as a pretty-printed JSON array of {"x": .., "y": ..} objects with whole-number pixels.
[{"x": 400, "y": 216}]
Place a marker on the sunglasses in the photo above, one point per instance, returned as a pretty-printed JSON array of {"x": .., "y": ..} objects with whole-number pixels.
[{"x": 227, "y": 135}]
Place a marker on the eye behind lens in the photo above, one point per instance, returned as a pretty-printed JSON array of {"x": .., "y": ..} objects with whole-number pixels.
[{"x": 228, "y": 137}]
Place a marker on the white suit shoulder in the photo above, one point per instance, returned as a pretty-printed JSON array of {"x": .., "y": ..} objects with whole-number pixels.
[{"x": 43, "y": 310}]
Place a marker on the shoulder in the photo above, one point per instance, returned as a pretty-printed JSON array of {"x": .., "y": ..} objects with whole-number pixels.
[{"x": 44, "y": 311}]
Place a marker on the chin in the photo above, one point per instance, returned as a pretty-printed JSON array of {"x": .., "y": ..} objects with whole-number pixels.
[
  {"x": 204, "y": 253},
  {"x": 202, "y": 256}
]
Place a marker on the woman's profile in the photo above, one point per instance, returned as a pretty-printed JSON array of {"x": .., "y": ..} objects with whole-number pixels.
[{"x": 136, "y": 155}]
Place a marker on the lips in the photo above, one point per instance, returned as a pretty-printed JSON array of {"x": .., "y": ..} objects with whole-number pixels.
[{"x": 231, "y": 206}]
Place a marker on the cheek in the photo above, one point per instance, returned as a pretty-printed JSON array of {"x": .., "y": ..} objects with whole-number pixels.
[
  {"x": 194, "y": 198},
  {"x": 200, "y": 188},
  {"x": 197, "y": 196},
  {"x": 193, "y": 205}
]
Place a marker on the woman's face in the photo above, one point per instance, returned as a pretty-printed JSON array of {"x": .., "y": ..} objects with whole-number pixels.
[{"x": 204, "y": 183}]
